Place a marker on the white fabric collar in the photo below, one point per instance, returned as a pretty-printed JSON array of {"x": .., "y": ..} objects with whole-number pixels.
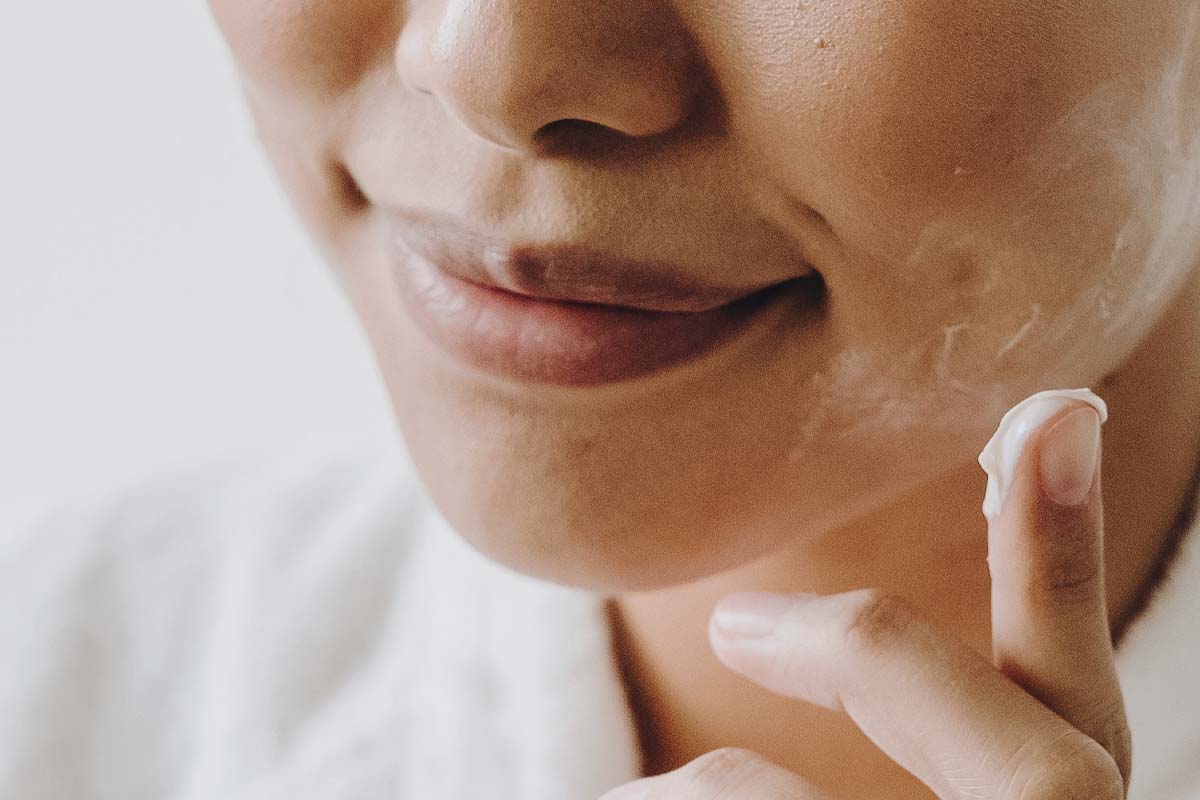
[{"x": 494, "y": 684}]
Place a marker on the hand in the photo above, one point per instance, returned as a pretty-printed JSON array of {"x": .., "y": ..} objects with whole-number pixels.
[{"x": 1043, "y": 720}]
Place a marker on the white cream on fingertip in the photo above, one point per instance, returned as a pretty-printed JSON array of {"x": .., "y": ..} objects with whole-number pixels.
[{"x": 1000, "y": 455}]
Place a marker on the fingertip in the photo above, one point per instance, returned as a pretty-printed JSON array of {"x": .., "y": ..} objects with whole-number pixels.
[
  {"x": 741, "y": 625},
  {"x": 1069, "y": 457},
  {"x": 750, "y": 658},
  {"x": 1002, "y": 456},
  {"x": 793, "y": 653},
  {"x": 1049, "y": 533}
]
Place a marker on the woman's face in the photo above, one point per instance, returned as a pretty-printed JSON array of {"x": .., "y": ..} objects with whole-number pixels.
[{"x": 961, "y": 203}]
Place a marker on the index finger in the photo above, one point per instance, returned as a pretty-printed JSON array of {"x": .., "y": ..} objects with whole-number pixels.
[
  {"x": 1050, "y": 630},
  {"x": 933, "y": 704}
]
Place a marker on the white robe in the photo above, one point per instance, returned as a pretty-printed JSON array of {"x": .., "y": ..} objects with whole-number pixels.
[{"x": 312, "y": 629}]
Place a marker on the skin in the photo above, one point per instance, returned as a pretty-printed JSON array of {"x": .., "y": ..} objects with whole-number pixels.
[
  {"x": 998, "y": 202},
  {"x": 969, "y": 583},
  {"x": 1042, "y": 719}
]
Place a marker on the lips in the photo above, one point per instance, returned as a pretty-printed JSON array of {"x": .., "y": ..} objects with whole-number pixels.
[
  {"x": 564, "y": 314},
  {"x": 560, "y": 271}
]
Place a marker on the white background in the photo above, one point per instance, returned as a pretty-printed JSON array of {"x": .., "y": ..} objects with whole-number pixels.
[{"x": 159, "y": 304}]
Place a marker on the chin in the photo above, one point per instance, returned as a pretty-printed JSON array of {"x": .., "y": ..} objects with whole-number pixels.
[
  {"x": 564, "y": 539},
  {"x": 575, "y": 530},
  {"x": 564, "y": 531},
  {"x": 634, "y": 488}
]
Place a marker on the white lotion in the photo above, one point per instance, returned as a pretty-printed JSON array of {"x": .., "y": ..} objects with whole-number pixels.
[{"x": 1000, "y": 455}]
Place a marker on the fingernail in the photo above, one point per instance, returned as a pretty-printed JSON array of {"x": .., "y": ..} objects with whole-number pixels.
[
  {"x": 999, "y": 458},
  {"x": 752, "y": 615},
  {"x": 1070, "y": 450}
]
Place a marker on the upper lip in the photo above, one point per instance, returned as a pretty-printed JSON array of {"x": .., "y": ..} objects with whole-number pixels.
[{"x": 559, "y": 270}]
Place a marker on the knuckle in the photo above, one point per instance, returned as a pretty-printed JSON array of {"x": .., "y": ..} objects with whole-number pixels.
[
  {"x": 1122, "y": 751},
  {"x": 1073, "y": 579},
  {"x": 1072, "y": 569},
  {"x": 875, "y": 618},
  {"x": 1117, "y": 739},
  {"x": 1071, "y": 767},
  {"x": 723, "y": 772}
]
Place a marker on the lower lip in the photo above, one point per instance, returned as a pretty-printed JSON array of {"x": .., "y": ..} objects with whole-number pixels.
[{"x": 563, "y": 343}]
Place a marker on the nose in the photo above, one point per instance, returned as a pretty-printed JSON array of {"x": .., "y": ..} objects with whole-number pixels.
[{"x": 511, "y": 69}]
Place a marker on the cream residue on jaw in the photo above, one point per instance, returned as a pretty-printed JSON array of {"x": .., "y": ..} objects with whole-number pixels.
[{"x": 1000, "y": 455}]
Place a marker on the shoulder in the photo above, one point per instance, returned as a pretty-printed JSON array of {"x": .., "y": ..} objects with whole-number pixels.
[
  {"x": 211, "y": 523},
  {"x": 218, "y": 602}
]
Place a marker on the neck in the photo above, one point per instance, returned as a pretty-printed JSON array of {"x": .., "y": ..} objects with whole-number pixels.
[{"x": 685, "y": 703}]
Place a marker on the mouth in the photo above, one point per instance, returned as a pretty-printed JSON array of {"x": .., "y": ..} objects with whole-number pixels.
[
  {"x": 566, "y": 271},
  {"x": 567, "y": 315}
]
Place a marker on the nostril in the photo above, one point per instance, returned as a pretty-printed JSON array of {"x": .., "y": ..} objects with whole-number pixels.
[
  {"x": 568, "y": 123},
  {"x": 559, "y": 129},
  {"x": 578, "y": 136}
]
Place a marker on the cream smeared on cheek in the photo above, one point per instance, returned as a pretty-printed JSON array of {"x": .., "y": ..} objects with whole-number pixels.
[
  {"x": 1159, "y": 164},
  {"x": 1091, "y": 274},
  {"x": 1114, "y": 288}
]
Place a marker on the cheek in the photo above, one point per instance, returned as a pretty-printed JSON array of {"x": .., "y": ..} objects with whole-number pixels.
[
  {"x": 901, "y": 107},
  {"x": 310, "y": 46},
  {"x": 1000, "y": 189}
]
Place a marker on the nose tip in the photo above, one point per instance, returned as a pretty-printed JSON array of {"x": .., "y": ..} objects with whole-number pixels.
[{"x": 512, "y": 71}]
